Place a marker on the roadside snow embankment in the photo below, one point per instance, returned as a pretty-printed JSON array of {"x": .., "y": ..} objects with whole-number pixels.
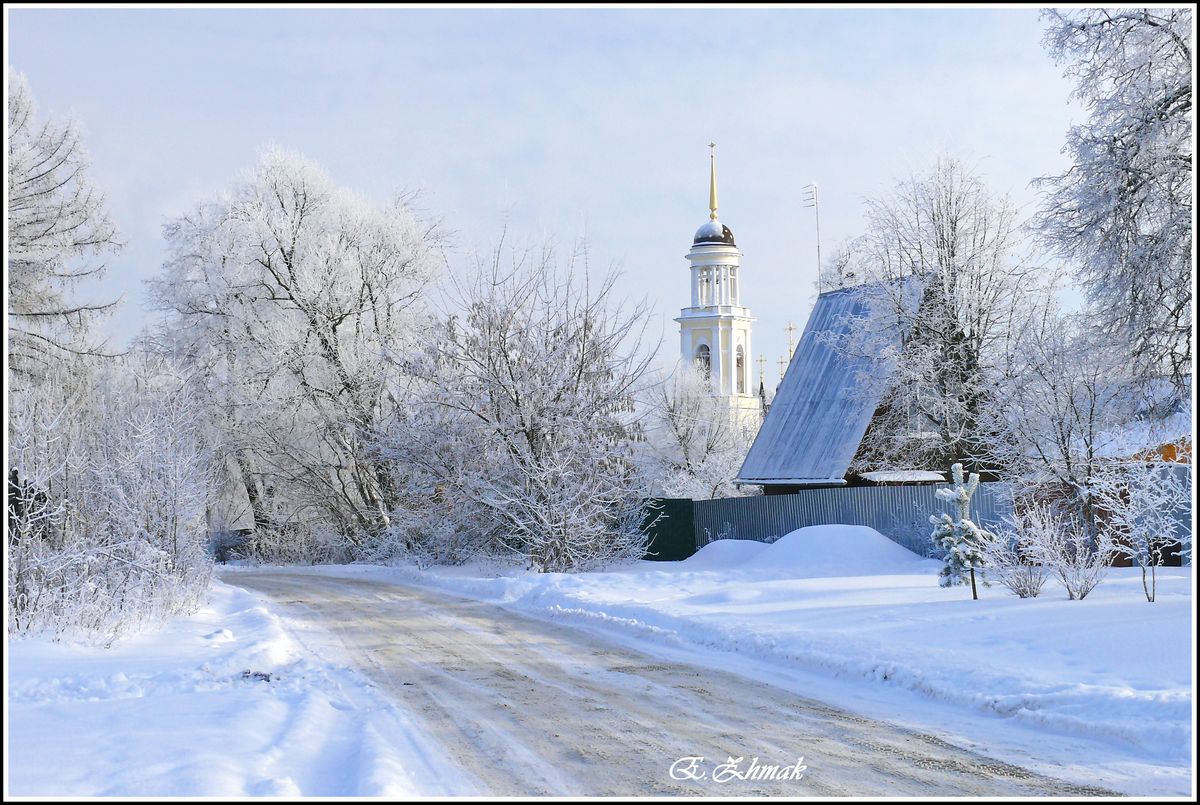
[
  {"x": 848, "y": 602},
  {"x": 222, "y": 703}
]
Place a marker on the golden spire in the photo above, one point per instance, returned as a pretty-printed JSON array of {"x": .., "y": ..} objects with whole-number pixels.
[{"x": 712, "y": 188}]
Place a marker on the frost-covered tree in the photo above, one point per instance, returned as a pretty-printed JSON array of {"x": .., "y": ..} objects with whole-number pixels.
[
  {"x": 1057, "y": 405},
  {"x": 963, "y": 542},
  {"x": 289, "y": 294},
  {"x": 538, "y": 367},
  {"x": 58, "y": 231},
  {"x": 107, "y": 472},
  {"x": 843, "y": 269},
  {"x": 939, "y": 265},
  {"x": 1141, "y": 504},
  {"x": 1122, "y": 213},
  {"x": 694, "y": 445}
]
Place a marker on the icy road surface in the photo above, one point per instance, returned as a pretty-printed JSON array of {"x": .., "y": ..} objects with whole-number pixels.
[{"x": 527, "y": 707}]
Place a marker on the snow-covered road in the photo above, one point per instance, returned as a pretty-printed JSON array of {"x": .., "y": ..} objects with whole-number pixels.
[{"x": 530, "y": 707}]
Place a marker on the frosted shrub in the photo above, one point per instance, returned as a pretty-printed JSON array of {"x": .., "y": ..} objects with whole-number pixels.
[
  {"x": 105, "y": 507},
  {"x": 1010, "y": 561},
  {"x": 297, "y": 544},
  {"x": 1081, "y": 560}
]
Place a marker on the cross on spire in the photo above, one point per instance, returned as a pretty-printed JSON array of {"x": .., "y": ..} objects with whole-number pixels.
[
  {"x": 783, "y": 362},
  {"x": 791, "y": 328},
  {"x": 712, "y": 187},
  {"x": 762, "y": 363}
]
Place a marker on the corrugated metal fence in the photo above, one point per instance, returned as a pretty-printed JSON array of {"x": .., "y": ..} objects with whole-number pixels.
[{"x": 899, "y": 512}]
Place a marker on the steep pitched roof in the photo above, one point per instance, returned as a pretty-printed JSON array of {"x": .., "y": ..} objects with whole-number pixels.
[{"x": 821, "y": 411}]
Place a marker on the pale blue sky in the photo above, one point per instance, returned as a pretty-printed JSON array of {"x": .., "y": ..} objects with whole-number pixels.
[{"x": 566, "y": 121}]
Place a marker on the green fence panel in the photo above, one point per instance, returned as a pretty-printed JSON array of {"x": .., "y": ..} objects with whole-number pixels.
[{"x": 671, "y": 528}]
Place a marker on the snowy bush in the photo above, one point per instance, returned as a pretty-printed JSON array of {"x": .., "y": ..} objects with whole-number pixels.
[
  {"x": 963, "y": 542},
  {"x": 296, "y": 543},
  {"x": 1009, "y": 558},
  {"x": 1080, "y": 559},
  {"x": 106, "y": 507},
  {"x": 438, "y": 463}
]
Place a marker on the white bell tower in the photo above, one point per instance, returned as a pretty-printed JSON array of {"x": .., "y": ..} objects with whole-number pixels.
[{"x": 714, "y": 333}]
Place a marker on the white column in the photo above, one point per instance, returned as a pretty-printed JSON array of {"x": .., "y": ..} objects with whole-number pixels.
[
  {"x": 695, "y": 287},
  {"x": 733, "y": 359},
  {"x": 751, "y": 389}
]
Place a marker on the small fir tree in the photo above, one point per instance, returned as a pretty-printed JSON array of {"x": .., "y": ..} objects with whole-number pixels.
[{"x": 962, "y": 540}]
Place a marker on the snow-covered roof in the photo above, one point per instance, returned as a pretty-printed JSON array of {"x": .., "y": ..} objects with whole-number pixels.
[
  {"x": 1157, "y": 413},
  {"x": 903, "y": 476},
  {"x": 821, "y": 410},
  {"x": 1141, "y": 435}
]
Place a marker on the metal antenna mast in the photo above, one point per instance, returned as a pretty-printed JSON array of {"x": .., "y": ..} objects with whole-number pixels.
[{"x": 811, "y": 201}]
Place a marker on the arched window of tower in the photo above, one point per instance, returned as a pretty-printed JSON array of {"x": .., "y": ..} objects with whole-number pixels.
[
  {"x": 741, "y": 370},
  {"x": 704, "y": 361}
]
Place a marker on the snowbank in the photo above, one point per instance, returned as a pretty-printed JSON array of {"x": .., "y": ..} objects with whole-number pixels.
[
  {"x": 225, "y": 703},
  {"x": 724, "y": 553},
  {"x": 836, "y": 550}
]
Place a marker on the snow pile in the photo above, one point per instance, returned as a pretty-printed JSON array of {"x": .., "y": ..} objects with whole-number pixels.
[
  {"x": 224, "y": 703},
  {"x": 723, "y": 553},
  {"x": 836, "y": 550}
]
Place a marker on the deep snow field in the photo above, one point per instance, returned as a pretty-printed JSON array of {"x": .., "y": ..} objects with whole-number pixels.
[
  {"x": 170, "y": 714},
  {"x": 1096, "y": 691}
]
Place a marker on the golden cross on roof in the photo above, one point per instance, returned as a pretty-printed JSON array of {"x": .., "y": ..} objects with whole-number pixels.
[
  {"x": 783, "y": 362},
  {"x": 762, "y": 363},
  {"x": 791, "y": 328}
]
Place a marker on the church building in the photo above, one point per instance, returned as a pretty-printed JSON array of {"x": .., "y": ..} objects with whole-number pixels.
[{"x": 714, "y": 332}]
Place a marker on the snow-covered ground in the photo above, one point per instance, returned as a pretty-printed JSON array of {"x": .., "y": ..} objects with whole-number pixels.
[
  {"x": 170, "y": 713},
  {"x": 1097, "y": 690}
]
